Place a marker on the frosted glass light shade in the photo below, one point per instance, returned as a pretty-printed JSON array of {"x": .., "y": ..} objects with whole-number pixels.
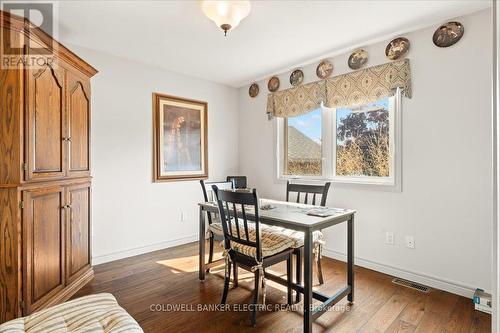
[{"x": 226, "y": 14}]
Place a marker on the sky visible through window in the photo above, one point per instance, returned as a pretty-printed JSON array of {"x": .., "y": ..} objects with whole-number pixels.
[{"x": 309, "y": 124}]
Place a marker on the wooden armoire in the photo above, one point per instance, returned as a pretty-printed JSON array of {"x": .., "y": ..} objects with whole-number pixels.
[{"x": 45, "y": 183}]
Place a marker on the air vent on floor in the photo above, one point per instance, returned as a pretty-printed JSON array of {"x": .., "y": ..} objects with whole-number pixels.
[{"x": 412, "y": 285}]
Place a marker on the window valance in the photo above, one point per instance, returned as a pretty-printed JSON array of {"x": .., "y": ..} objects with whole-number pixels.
[
  {"x": 297, "y": 100},
  {"x": 356, "y": 88}
]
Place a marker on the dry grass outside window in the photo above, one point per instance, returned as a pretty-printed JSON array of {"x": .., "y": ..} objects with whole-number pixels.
[{"x": 301, "y": 167}]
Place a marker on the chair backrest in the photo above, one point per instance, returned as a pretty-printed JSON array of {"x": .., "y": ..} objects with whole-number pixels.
[
  {"x": 208, "y": 193},
  {"x": 206, "y": 186},
  {"x": 232, "y": 204},
  {"x": 238, "y": 181},
  {"x": 307, "y": 190}
]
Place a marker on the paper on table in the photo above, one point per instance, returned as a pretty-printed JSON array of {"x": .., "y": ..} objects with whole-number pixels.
[{"x": 322, "y": 212}]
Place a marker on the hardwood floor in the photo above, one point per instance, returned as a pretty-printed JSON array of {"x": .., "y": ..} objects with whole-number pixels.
[{"x": 168, "y": 278}]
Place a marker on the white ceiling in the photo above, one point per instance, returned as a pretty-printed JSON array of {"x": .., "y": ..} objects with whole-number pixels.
[{"x": 277, "y": 35}]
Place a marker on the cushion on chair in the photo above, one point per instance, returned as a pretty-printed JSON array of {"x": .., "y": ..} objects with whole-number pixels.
[
  {"x": 216, "y": 228},
  {"x": 271, "y": 242},
  {"x": 297, "y": 236},
  {"x": 95, "y": 313}
]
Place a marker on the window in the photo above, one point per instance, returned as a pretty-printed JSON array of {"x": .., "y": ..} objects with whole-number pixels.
[
  {"x": 303, "y": 145},
  {"x": 356, "y": 145}
]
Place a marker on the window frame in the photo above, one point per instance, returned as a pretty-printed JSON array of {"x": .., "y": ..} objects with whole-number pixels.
[
  {"x": 281, "y": 150},
  {"x": 329, "y": 148}
]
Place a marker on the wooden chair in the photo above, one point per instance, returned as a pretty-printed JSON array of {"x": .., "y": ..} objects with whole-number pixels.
[
  {"x": 309, "y": 196},
  {"x": 307, "y": 190},
  {"x": 248, "y": 245},
  {"x": 214, "y": 225},
  {"x": 238, "y": 181}
]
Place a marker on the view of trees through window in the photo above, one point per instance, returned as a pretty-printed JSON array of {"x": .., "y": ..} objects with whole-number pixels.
[
  {"x": 362, "y": 139},
  {"x": 363, "y": 147},
  {"x": 303, "y": 146}
]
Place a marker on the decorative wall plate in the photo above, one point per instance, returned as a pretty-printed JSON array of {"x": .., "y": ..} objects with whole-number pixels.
[
  {"x": 324, "y": 69},
  {"x": 273, "y": 84},
  {"x": 357, "y": 59},
  {"x": 397, "y": 48},
  {"x": 448, "y": 34},
  {"x": 296, "y": 77},
  {"x": 253, "y": 91}
]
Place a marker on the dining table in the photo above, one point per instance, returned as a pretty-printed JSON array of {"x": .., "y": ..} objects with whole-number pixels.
[{"x": 298, "y": 217}]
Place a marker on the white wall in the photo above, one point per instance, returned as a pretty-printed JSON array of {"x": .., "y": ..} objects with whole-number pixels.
[
  {"x": 131, "y": 214},
  {"x": 446, "y": 197}
]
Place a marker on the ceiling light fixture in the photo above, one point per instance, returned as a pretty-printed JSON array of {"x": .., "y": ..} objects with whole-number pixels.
[{"x": 227, "y": 14}]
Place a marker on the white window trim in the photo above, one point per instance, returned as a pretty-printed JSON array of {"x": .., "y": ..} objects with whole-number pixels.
[
  {"x": 394, "y": 180},
  {"x": 280, "y": 151},
  {"x": 392, "y": 183}
]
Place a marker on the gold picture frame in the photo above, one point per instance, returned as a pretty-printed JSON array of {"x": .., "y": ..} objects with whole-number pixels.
[{"x": 180, "y": 142}]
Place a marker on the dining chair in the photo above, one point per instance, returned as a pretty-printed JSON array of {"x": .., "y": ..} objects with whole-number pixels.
[
  {"x": 214, "y": 225},
  {"x": 307, "y": 194},
  {"x": 238, "y": 181},
  {"x": 248, "y": 244}
]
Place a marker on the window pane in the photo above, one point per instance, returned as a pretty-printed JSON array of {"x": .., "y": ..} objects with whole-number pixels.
[
  {"x": 363, "y": 140},
  {"x": 303, "y": 144}
]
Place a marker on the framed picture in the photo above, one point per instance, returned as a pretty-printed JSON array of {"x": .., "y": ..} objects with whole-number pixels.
[{"x": 180, "y": 138}]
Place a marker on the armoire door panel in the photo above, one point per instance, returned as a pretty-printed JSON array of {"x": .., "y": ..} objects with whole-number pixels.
[
  {"x": 78, "y": 117},
  {"x": 78, "y": 231},
  {"x": 45, "y": 124},
  {"x": 43, "y": 250}
]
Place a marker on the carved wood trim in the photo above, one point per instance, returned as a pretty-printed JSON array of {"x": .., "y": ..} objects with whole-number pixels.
[{"x": 79, "y": 84}]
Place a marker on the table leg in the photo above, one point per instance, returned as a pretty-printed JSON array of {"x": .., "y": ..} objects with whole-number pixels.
[
  {"x": 308, "y": 260},
  {"x": 350, "y": 257},
  {"x": 201, "y": 268}
]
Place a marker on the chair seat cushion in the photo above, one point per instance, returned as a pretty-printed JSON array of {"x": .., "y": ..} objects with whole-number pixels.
[
  {"x": 95, "y": 313},
  {"x": 216, "y": 228},
  {"x": 272, "y": 243},
  {"x": 298, "y": 236}
]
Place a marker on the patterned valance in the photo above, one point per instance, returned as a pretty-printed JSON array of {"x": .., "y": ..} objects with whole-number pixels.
[
  {"x": 356, "y": 88},
  {"x": 368, "y": 85},
  {"x": 297, "y": 100}
]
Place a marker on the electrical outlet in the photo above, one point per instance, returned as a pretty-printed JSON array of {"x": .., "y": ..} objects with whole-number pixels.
[
  {"x": 389, "y": 238},
  {"x": 183, "y": 216},
  {"x": 410, "y": 242}
]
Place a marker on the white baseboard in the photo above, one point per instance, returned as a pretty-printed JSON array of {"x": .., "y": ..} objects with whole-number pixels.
[
  {"x": 431, "y": 281},
  {"x": 143, "y": 249}
]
